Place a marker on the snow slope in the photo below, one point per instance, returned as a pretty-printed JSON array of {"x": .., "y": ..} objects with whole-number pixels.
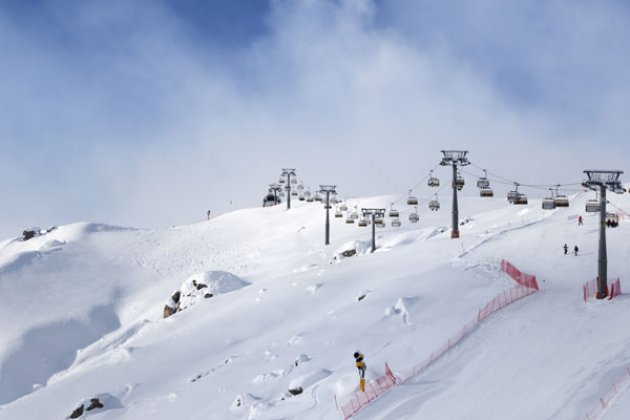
[{"x": 81, "y": 307}]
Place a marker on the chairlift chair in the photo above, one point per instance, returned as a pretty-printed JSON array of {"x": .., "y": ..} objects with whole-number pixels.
[
  {"x": 363, "y": 222},
  {"x": 414, "y": 218},
  {"x": 513, "y": 195},
  {"x": 561, "y": 201},
  {"x": 300, "y": 187},
  {"x": 349, "y": 219},
  {"x": 396, "y": 222},
  {"x": 301, "y": 197},
  {"x": 548, "y": 204},
  {"x": 521, "y": 199},
  {"x": 317, "y": 197},
  {"x": 483, "y": 182},
  {"x": 612, "y": 219},
  {"x": 293, "y": 181},
  {"x": 343, "y": 207},
  {"x": 434, "y": 205},
  {"x": 269, "y": 200},
  {"x": 309, "y": 199},
  {"x": 338, "y": 213},
  {"x": 433, "y": 181},
  {"x": 593, "y": 206},
  {"x": 412, "y": 201},
  {"x": 281, "y": 180},
  {"x": 486, "y": 192},
  {"x": 393, "y": 213},
  {"x": 459, "y": 182},
  {"x": 354, "y": 215},
  {"x": 294, "y": 193}
]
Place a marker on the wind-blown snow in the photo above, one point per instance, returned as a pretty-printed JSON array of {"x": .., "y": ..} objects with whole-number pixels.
[{"x": 81, "y": 316}]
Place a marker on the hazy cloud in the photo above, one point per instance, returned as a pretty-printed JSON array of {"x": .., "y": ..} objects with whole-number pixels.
[{"x": 111, "y": 111}]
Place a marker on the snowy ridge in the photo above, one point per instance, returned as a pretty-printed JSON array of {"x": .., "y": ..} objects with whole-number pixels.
[{"x": 81, "y": 317}]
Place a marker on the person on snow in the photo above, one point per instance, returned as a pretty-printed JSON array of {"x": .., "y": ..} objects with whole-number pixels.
[
  {"x": 575, "y": 250},
  {"x": 566, "y": 249},
  {"x": 580, "y": 221},
  {"x": 172, "y": 305},
  {"x": 361, "y": 366}
]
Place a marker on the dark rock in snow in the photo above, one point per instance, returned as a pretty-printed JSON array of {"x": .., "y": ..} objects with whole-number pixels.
[
  {"x": 296, "y": 391},
  {"x": 77, "y": 412},
  {"x": 94, "y": 403},
  {"x": 349, "y": 253},
  {"x": 28, "y": 234}
]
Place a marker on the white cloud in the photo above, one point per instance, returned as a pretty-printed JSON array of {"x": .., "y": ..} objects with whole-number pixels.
[{"x": 141, "y": 126}]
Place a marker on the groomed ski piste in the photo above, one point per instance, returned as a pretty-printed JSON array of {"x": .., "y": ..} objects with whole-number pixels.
[{"x": 81, "y": 317}]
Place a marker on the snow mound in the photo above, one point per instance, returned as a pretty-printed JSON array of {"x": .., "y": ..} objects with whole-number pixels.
[
  {"x": 401, "y": 308},
  {"x": 218, "y": 282},
  {"x": 207, "y": 284}
]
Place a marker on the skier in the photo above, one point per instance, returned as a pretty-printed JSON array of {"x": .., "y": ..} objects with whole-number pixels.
[
  {"x": 360, "y": 364},
  {"x": 580, "y": 221},
  {"x": 566, "y": 249},
  {"x": 172, "y": 305},
  {"x": 575, "y": 250}
]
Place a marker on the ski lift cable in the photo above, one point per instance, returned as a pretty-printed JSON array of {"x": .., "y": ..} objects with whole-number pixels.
[
  {"x": 618, "y": 208},
  {"x": 536, "y": 186},
  {"x": 422, "y": 181}
]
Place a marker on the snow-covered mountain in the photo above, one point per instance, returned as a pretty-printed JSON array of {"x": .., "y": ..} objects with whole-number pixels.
[{"x": 81, "y": 316}]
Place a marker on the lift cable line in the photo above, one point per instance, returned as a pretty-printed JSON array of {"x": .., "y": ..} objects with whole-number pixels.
[
  {"x": 603, "y": 180},
  {"x": 511, "y": 182},
  {"x": 419, "y": 183}
]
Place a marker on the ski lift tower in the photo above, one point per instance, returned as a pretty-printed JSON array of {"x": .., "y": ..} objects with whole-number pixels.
[
  {"x": 374, "y": 213},
  {"x": 288, "y": 172},
  {"x": 603, "y": 180},
  {"x": 328, "y": 190},
  {"x": 275, "y": 189},
  {"x": 455, "y": 158}
]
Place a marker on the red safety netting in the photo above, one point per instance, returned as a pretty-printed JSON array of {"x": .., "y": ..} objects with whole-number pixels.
[
  {"x": 372, "y": 391},
  {"x": 527, "y": 280},
  {"x": 499, "y": 302},
  {"x": 589, "y": 289},
  {"x": 527, "y": 286},
  {"x": 604, "y": 402}
]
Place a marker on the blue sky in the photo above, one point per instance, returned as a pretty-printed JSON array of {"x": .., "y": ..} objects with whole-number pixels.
[{"x": 148, "y": 113}]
